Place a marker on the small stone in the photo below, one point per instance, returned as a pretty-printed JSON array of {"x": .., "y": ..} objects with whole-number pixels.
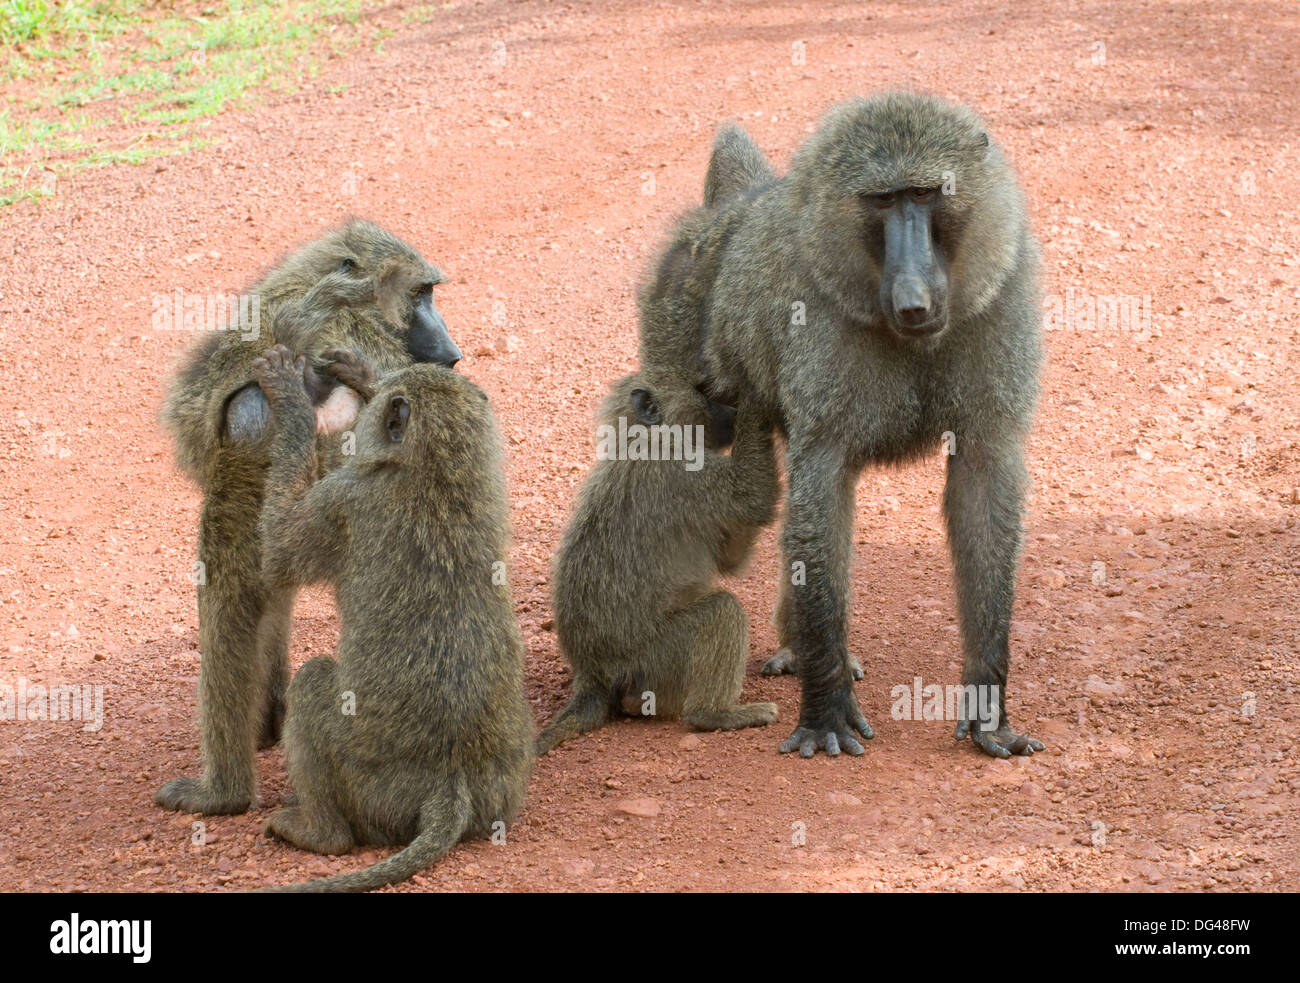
[
  {"x": 1096, "y": 686},
  {"x": 645, "y": 808}
]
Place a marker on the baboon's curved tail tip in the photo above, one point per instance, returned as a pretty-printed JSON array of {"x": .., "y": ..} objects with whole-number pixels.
[
  {"x": 735, "y": 165},
  {"x": 438, "y": 834},
  {"x": 586, "y": 711}
]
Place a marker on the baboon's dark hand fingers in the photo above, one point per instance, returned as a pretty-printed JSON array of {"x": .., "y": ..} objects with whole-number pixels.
[
  {"x": 806, "y": 740},
  {"x": 851, "y": 744},
  {"x": 802, "y": 740},
  {"x": 860, "y": 724},
  {"x": 963, "y": 730}
]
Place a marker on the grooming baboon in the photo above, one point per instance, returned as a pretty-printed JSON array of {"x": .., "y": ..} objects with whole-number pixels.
[
  {"x": 637, "y": 609},
  {"x": 356, "y": 296},
  {"x": 881, "y": 295},
  {"x": 419, "y": 733}
]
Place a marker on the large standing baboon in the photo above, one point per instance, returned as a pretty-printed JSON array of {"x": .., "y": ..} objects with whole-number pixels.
[
  {"x": 358, "y": 291},
  {"x": 882, "y": 295},
  {"x": 419, "y": 733},
  {"x": 638, "y": 612}
]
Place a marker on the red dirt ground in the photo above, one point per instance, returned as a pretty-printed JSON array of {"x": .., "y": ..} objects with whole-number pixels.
[{"x": 1170, "y": 456}]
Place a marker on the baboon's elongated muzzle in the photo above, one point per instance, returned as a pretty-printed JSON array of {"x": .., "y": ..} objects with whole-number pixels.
[
  {"x": 914, "y": 279},
  {"x": 429, "y": 340}
]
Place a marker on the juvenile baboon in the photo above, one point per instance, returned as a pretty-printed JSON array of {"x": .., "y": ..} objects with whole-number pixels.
[
  {"x": 637, "y": 609},
  {"x": 358, "y": 296},
  {"x": 419, "y": 732},
  {"x": 879, "y": 300}
]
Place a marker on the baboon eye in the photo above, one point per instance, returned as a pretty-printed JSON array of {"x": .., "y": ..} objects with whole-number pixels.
[
  {"x": 881, "y": 199},
  {"x": 921, "y": 195},
  {"x": 347, "y": 264}
]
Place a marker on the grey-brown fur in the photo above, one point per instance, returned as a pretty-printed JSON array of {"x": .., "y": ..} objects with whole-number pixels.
[
  {"x": 412, "y": 534},
  {"x": 358, "y": 290},
  {"x": 637, "y": 608},
  {"x": 869, "y": 338}
]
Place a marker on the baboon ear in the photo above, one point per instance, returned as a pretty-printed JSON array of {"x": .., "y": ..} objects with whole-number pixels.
[
  {"x": 982, "y": 142},
  {"x": 646, "y": 406},
  {"x": 399, "y": 414}
]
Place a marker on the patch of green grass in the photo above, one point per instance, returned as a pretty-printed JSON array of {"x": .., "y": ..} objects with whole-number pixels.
[{"x": 120, "y": 67}]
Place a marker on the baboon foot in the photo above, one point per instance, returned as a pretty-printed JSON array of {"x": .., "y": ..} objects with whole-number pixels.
[
  {"x": 785, "y": 663},
  {"x": 833, "y": 731},
  {"x": 1000, "y": 743},
  {"x": 194, "y": 795},
  {"x": 292, "y": 825},
  {"x": 734, "y": 718},
  {"x": 272, "y": 726}
]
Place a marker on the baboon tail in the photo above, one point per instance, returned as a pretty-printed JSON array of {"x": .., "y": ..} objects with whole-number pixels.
[
  {"x": 735, "y": 165},
  {"x": 587, "y": 710},
  {"x": 442, "y": 826}
]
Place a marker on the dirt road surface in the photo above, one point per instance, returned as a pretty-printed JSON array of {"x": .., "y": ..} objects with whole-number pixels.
[{"x": 538, "y": 152}]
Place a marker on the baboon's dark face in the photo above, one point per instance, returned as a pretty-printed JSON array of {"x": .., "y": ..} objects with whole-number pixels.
[
  {"x": 888, "y": 189},
  {"x": 405, "y": 295},
  {"x": 402, "y": 284},
  {"x": 913, "y": 268}
]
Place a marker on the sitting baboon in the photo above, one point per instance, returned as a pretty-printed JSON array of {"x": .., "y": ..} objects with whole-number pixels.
[
  {"x": 638, "y": 614},
  {"x": 358, "y": 291},
  {"x": 881, "y": 301},
  {"x": 419, "y": 732}
]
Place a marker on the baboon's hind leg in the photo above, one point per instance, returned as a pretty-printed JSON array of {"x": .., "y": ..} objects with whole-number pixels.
[
  {"x": 712, "y": 636},
  {"x": 588, "y": 709},
  {"x": 313, "y": 741},
  {"x": 232, "y": 677}
]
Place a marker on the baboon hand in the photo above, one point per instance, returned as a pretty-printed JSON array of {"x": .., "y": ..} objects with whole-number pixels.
[
  {"x": 351, "y": 369},
  {"x": 1000, "y": 743},
  {"x": 834, "y": 732},
  {"x": 281, "y": 377}
]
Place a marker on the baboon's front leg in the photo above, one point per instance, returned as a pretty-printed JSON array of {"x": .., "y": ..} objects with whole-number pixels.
[
  {"x": 783, "y": 662},
  {"x": 983, "y": 502},
  {"x": 816, "y": 544}
]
